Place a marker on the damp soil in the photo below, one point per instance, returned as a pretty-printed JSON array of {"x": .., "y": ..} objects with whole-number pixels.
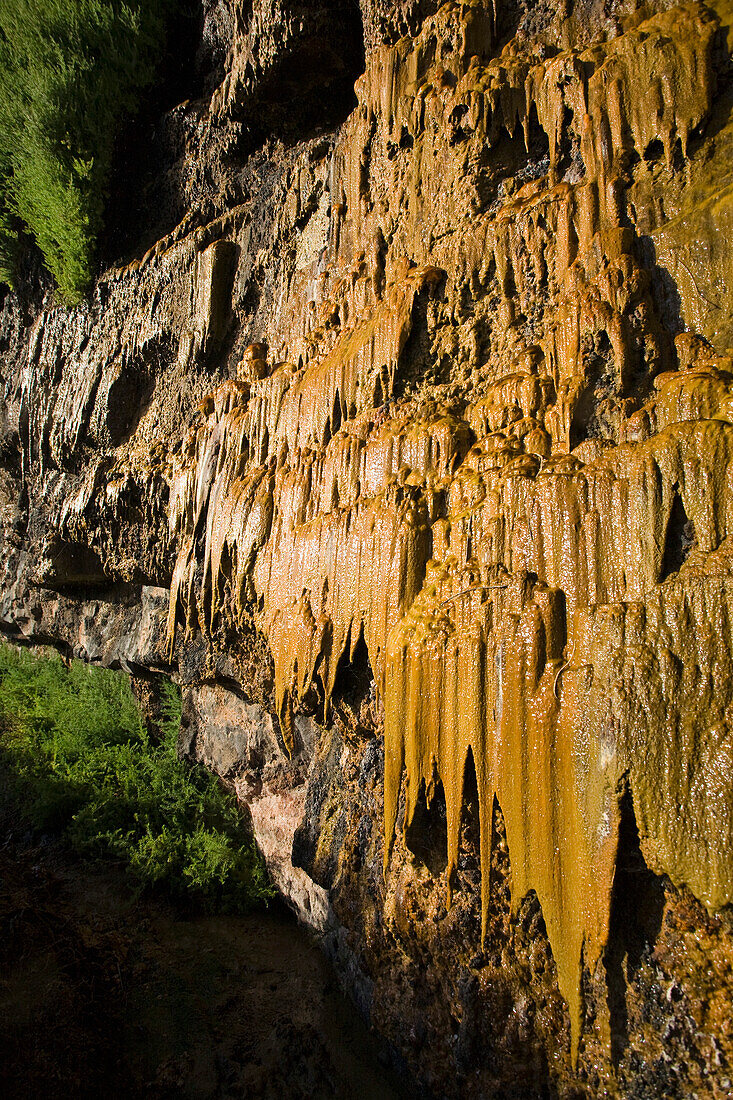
[{"x": 105, "y": 993}]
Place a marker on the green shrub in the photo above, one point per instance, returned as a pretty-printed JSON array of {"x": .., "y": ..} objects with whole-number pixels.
[
  {"x": 69, "y": 70},
  {"x": 79, "y": 761}
]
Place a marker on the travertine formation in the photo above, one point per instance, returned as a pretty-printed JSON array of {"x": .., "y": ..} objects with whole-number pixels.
[
  {"x": 479, "y": 420},
  {"x": 502, "y": 541}
]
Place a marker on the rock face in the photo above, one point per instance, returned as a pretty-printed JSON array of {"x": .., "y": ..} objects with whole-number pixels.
[{"x": 420, "y": 409}]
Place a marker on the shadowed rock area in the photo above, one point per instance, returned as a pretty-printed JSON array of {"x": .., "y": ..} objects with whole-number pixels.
[
  {"x": 105, "y": 993},
  {"x": 400, "y": 434}
]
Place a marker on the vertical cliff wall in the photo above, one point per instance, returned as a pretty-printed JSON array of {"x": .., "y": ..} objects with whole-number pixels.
[{"x": 406, "y": 446}]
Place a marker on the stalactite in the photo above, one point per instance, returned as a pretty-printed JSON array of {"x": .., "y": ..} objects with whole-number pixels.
[{"x": 519, "y": 602}]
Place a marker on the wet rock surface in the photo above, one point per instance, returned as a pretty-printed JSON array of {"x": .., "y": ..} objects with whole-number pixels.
[{"x": 401, "y": 436}]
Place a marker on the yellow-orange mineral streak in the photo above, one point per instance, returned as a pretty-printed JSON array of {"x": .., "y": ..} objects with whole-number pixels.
[
  {"x": 559, "y": 689},
  {"x": 540, "y": 565}
]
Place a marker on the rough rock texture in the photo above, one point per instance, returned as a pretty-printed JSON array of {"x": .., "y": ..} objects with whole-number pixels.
[{"x": 419, "y": 402}]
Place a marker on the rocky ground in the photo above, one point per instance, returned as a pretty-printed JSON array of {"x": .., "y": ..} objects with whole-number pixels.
[{"x": 103, "y": 993}]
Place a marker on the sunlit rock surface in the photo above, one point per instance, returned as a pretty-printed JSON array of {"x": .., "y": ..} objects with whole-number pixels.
[{"x": 420, "y": 405}]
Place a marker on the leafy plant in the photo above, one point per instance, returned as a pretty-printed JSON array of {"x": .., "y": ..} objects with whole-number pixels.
[
  {"x": 69, "y": 70},
  {"x": 79, "y": 761}
]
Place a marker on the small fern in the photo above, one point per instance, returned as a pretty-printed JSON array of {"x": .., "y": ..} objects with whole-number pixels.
[
  {"x": 79, "y": 761},
  {"x": 69, "y": 70}
]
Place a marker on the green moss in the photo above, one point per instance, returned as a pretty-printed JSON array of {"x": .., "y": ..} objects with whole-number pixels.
[{"x": 79, "y": 762}]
